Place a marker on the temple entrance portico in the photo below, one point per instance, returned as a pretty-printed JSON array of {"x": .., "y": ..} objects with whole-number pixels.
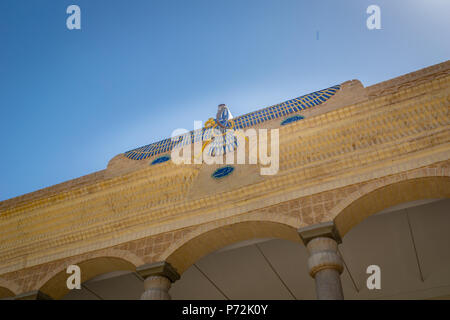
[{"x": 246, "y": 234}]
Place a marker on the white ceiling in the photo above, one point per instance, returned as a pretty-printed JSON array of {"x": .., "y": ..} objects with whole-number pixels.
[{"x": 409, "y": 242}]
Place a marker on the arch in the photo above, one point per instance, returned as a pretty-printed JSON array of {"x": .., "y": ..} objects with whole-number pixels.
[
  {"x": 8, "y": 289},
  {"x": 187, "y": 251},
  {"x": 6, "y": 293},
  {"x": 54, "y": 284},
  {"x": 374, "y": 198}
]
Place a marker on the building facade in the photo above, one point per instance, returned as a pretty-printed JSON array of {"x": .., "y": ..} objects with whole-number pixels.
[{"x": 345, "y": 153}]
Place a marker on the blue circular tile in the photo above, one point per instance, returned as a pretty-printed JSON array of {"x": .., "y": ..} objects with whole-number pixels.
[
  {"x": 160, "y": 160},
  {"x": 222, "y": 172},
  {"x": 292, "y": 119}
]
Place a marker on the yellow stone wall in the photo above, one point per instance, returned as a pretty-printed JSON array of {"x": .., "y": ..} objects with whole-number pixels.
[{"x": 363, "y": 149}]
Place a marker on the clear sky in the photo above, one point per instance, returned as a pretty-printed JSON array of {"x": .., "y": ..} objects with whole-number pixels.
[{"x": 70, "y": 100}]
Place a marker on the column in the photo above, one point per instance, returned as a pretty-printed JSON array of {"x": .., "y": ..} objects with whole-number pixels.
[
  {"x": 158, "y": 277},
  {"x": 324, "y": 263}
]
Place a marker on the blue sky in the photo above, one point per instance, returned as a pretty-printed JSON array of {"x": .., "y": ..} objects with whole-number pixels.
[{"x": 70, "y": 100}]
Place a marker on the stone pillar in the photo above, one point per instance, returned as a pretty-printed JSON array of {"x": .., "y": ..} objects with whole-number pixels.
[
  {"x": 158, "y": 278},
  {"x": 324, "y": 263}
]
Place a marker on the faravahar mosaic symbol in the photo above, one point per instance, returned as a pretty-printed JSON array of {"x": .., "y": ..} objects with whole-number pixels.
[{"x": 226, "y": 123}]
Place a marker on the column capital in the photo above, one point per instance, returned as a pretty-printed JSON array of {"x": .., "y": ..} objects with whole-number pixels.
[
  {"x": 321, "y": 230},
  {"x": 161, "y": 268}
]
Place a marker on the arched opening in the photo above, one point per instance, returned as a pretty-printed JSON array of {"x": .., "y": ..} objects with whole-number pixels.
[
  {"x": 363, "y": 204},
  {"x": 258, "y": 269},
  {"x": 401, "y": 227},
  {"x": 56, "y": 286},
  {"x": 409, "y": 243}
]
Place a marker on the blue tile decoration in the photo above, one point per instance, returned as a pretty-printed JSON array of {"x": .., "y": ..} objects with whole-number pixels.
[
  {"x": 250, "y": 119},
  {"x": 222, "y": 172},
  {"x": 160, "y": 160},
  {"x": 292, "y": 119}
]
